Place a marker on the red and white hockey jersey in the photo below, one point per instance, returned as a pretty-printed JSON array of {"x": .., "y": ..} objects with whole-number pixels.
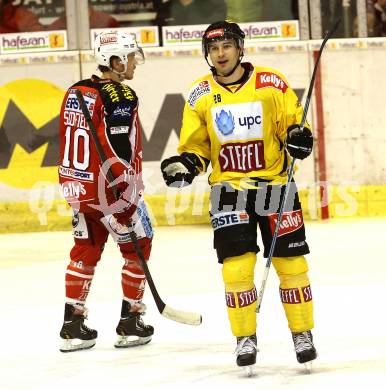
[{"x": 113, "y": 108}]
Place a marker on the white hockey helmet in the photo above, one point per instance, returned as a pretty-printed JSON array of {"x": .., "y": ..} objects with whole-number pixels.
[{"x": 118, "y": 44}]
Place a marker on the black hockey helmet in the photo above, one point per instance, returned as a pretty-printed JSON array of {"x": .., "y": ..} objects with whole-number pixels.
[{"x": 219, "y": 31}]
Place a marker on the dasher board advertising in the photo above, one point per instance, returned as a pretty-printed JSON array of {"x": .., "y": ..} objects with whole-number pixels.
[
  {"x": 33, "y": 42},
  {"x": 254, "y": 32},
  {"x": 145, "y": 36}
]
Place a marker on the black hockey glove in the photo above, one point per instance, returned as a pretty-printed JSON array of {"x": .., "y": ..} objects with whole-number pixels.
[
  {"x": 299, "y": 143},
  {"x": 179, "y": 171}
]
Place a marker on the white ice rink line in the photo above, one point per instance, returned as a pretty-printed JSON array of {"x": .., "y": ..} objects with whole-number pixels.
[{"x": 348, "y": 276}]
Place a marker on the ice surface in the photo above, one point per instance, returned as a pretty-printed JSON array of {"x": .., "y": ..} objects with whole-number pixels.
[{"x": 348, "y": 277}]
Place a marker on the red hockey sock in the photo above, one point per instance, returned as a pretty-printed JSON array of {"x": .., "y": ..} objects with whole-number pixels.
[
  {"x": 133, "y": 281},
  {"x": 78, "y": 282}
]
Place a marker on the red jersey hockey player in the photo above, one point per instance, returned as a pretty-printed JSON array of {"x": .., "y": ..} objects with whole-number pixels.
[
  {"x": 239, "y": 118},
  {"x": 113, "y": 107}
]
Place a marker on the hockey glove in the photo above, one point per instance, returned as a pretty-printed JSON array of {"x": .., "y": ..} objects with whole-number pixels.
[
  {"x": 179, "y": 171},
  {"x": 299, "y": 143}
]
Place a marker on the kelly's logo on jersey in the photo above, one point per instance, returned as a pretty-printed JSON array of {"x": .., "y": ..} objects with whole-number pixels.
[
  {"x": 270, "y": 80},
  {"x": 237, "y": 122},
  {"x": 72, "y": 189},
  {"x": 291, "y": 221}
]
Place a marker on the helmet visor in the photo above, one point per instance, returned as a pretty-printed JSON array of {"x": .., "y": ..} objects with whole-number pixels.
[{"x": 139, "y": 56}]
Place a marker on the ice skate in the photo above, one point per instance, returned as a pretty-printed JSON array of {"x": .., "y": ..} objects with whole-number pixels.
[
  {"x": 304, "y": 348},
  {"x": 131, "y": 329},
  {"x": 75, "y": 335},
  {"x": 246, "y": 351}
]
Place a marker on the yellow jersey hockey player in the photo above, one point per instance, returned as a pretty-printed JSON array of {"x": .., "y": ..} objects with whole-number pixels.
[{"x": 243, "y": 120}]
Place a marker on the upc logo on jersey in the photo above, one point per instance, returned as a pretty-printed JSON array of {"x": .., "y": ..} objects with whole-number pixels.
[
  {"x": 202, "y": 88},
  {"x": 272, "y": 80},
  {"x": 225, "y": 122},
  {"x": 238, "y": 122},
  {"x": 230, "y": 218},
  {"x": 291, "y": 221},
  {"x": 242, "y": 157}
]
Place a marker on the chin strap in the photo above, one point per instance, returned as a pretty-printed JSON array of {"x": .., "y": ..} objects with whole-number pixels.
[{"x": 121, "y": 75}]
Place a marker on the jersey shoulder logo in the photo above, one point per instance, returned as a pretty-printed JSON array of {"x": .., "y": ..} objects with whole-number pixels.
[
  {"x": 198, "y": 90},
  {"x": 72, "y": 103},
  {"x": 270, "y": 80}
]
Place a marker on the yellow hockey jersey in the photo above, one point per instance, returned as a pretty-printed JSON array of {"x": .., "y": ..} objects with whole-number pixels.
[{"x": 241, "y": 130}]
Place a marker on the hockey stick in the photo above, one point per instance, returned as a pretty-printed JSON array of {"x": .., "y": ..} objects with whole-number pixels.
[
  {"x": 168, "y": 312},
  {"x": 291, "y": 170}
]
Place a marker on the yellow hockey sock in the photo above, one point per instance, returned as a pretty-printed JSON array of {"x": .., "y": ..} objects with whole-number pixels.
[
  {"x": 240, "y": 291},
  {"x": 295, "y": 292}
]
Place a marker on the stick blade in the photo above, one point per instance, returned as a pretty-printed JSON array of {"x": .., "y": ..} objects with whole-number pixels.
[{"x": 184, "y": 317}]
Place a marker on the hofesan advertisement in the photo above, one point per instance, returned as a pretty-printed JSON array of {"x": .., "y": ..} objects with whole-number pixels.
[
  {"x": 33, "y": 42},
  {"x": 260, "y": 31}
]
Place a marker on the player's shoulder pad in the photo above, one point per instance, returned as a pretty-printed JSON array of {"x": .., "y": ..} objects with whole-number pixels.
[
  {"x": 90, "y": 96},
  {"x": 198, "y": 89},
  {"x": 118, "y": 98},
  {"x": 117, "y": 92},
  {"x": 270, "y": 78},
  {"x": 83, "y": 83}
]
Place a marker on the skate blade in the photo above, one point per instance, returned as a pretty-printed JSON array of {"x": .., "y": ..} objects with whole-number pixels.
[
  {"x": 131, "y": 341},
  {"x": 249, "y": 370},
  {"x": 72, "y": 345},
  {"x": 308, "y": 367}
]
